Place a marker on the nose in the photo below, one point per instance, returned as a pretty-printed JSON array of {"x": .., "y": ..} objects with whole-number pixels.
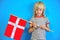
[{"x": 39, "y": 11}]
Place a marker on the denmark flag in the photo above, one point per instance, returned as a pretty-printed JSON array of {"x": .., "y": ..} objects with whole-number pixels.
[{"x": 15, "y": 27}]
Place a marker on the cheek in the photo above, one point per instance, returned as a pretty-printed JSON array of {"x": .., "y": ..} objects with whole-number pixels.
[{"x": 40, "y": 11}]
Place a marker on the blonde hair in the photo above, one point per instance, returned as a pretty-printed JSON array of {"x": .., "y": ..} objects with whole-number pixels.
[{"x": 39, "y": 5}]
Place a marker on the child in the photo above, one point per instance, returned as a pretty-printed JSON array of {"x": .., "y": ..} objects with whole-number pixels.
[{"x": 39, "y": 23}]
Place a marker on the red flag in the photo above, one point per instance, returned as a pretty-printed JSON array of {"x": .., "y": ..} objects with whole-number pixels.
[{"x": 15, "y": 27}]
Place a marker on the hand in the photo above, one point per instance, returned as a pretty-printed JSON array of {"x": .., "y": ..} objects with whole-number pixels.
[
  {"x": 45, "y": 28},
  {"x": 31, "y": 30},
  {"x": 30, "y": 22},
  {"x": 42, "y": 26},
  {"x": 34, "y": 25}
]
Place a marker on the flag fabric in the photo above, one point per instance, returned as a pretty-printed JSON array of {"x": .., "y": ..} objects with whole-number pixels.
[{"x": 15, "y": 27}]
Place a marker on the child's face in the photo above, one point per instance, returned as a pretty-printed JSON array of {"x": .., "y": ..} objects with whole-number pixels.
[{"x": 39, "y": 12}]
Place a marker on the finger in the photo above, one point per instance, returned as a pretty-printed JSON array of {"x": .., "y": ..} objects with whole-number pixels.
[{"x": 30, "y": 22}]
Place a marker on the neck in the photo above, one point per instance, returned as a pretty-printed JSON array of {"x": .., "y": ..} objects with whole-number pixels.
[{"x": 39, "y": 16}]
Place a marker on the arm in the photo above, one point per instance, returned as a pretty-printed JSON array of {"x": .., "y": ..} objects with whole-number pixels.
[
  {"x": 31, "y": 24},
  {"x": 32, "y": 27},
  {"x": 45, "y": 27}
]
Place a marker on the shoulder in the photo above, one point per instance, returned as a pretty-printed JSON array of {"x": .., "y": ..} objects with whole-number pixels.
[
  {"x": 45, "y": 18},
  {"x": 32, "y": 19}
]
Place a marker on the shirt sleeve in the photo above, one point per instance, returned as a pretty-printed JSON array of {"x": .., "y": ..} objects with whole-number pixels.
[
  {"x": 47, "y": 21},
  {"x": 32, "y": 19}
]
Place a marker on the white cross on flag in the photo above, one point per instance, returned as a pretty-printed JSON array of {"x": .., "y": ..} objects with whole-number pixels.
[{"x": 15, "y": 27}]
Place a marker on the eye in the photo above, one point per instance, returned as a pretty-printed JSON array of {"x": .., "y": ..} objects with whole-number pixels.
[
  {"x": 40, "y": 9},
  {"x": 37, "y": 9}
]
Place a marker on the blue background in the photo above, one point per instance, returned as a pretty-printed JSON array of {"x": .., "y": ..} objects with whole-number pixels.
[{"x": 24, "y": 9}]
